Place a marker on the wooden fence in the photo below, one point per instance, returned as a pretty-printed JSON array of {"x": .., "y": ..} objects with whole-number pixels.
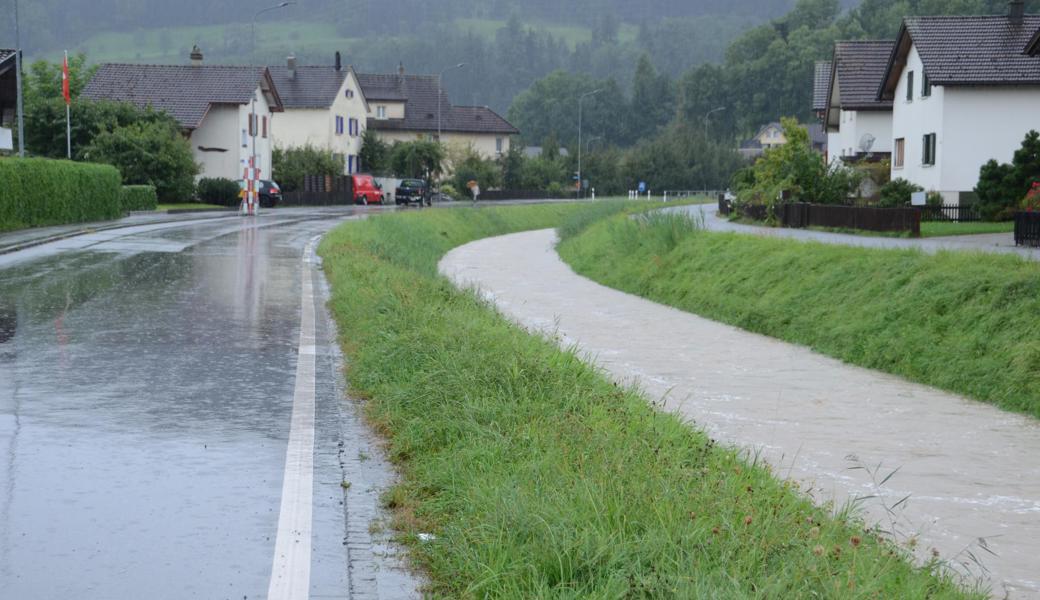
[
  {"x": 322, "y": 190},
  {"x": 1027, "y": 229}
]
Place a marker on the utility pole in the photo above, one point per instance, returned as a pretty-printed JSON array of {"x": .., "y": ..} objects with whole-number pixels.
[
  {"x": 254, "y": 123},
  {"x": 440, "y": 93},
  {"x": 581, "y": 186},
  {"x": 18, "y": 82}
]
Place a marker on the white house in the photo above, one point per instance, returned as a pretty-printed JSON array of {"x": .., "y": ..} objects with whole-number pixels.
[
  {"x": 410, "y": 107},
  {"x": 965, "y": 91},
  {"x": 859, "y": 125},
  {"x": 325, "y": 108},
  {"x": 225, "y": 112}
]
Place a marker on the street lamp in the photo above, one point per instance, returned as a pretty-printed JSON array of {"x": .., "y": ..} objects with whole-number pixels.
[
  {"x": 708, "y": 114},
  {"x": 253, "y": 124},
  {"x": 580, "y": 98},
  {"x": 588, "y": 143},
  {"x": 18, "y": 82},
  {"x": 440, "y": 92}
]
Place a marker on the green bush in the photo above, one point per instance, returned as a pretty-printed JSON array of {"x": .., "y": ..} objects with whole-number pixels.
[
  {"x": 1002, "y": 186},
  {"x": 40, "y": 191},
  {"x": 138, "y": 197},
  {"x": 290, "y": 166},
  {"x": 217, "y": 190},
  {"x": 149, "y": 153},
  {"x": 897, "y": 193}
]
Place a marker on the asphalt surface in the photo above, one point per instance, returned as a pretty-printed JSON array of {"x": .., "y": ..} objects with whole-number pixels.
[
  {"x": 148, "y": 377},
  {"x": 965, "y": 479}
]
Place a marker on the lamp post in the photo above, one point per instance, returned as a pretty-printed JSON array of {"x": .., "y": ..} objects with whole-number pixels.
[
  {"x": 18, "y": 82},
  {"x": 440, "y": 92},
  {"x": 253, "y": 121},
  {"x": 708, "y": 114},
  {"x": 581, "y": 186},
  {"x": 588, "y": 143}
]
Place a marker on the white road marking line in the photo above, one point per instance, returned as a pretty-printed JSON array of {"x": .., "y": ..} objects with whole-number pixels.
[{"x": 291, "y": 572}]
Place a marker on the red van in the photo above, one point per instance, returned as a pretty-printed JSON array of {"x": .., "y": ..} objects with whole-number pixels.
[{"x": 367, "y": 190}]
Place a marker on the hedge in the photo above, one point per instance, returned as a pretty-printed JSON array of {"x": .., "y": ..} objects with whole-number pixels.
[
  {"x": 217, "y": 190},
  {"x": 39, "y": 191},
  {"x": 138, "y": 197}
]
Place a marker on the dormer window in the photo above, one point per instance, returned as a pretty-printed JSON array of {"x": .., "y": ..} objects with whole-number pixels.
[{"x": 380, "y": 112}]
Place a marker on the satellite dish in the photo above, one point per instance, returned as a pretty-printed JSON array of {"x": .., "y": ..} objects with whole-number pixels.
[{"x": 866, "y": 143}]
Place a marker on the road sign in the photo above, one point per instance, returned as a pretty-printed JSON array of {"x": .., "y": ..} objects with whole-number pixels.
[
  {"x": 918, "y": 198},
  {"x": 642, "y": 186},
  {"x": 6, "y": 139},
  {"x": 251, "y": 197}
]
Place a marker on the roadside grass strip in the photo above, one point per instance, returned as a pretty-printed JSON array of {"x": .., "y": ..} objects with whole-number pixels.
[
  {"x": 959, "y": 320},
  {"x": 526, "y": 473}
]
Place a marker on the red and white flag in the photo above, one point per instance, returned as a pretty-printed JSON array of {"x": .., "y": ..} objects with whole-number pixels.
[{"x": 65, "y": 79}]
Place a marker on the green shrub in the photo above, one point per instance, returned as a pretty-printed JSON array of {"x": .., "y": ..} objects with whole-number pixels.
[
  {"x": 449, "y": 190},
  {"x": 138, "y": 197},
  {"x": 291, "y": 166},
  {"x": 149, "y": 153},
  {"x": 217, "y": 190},
  {"x": 1002, "y": 187},
  {"x": 897, "y": 193},
  {"x": 39, "y": 191}
]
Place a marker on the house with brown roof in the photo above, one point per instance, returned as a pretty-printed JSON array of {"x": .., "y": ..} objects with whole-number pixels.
[
  {"x": 225, "y": 111},
  {"x": 964, "y": 90},
  {"x": 405, "y": 107},
  {"x": 324, "y": 107},
  {"x": 859, "y": 125}
]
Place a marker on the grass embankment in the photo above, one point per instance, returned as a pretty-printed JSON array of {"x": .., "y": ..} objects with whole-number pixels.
[
  {"x": 962, "y": 321},
  {"x": 541, "y": 479}
]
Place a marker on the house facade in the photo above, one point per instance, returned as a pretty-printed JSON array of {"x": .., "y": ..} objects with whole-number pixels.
[
  {"x": 324, "y": 107},
  {"x": 859, "y": 124},
  {"x": 965, "y": 90},
  {"x": 225, "y": 112},
  {"x": 404, "y": 108}
]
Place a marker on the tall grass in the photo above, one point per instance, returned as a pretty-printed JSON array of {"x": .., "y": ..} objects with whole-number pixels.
[
  {"x": 537, "y": 476},
  {"x": 966, "y": 322}
]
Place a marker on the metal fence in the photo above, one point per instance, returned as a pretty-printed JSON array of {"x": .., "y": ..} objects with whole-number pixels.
[
  {"x": 519, "y": 195},
  {"x": 322, "y": 190},
  {"x": 1027, "y": 229}
]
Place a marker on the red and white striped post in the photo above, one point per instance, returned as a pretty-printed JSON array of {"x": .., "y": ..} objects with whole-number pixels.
[{"x": 251, "y": 198}]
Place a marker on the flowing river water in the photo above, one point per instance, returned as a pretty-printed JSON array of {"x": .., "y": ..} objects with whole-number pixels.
[{"x": 968, "y": 472}]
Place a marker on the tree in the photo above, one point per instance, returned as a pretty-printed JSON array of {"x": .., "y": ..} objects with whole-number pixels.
[
  {"x": 422, "y": 159},
  {"x": 1002, "y": 187},
  {"x": 474, "y": 167},
  {"x": 512, "y": 165},
  {"x": 149, "y": 153},
  {"x": 375, "y": 153},
  {"x": 289, "y": 166}
]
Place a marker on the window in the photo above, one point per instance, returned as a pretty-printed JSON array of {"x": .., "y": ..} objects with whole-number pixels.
[
  {"x": 245, "y": 138},
  {"x": 909, "y": 86},
  {"x": 928, "y": 149},
  {"x": 252, "y": 125},
  {"x": 926, "y": 86},
  {"x": 899, "y": 153},
  {"x": 350, "y": 164},
  {"x": 349, "y": 93},
  {"x": 339, "y": 125},
  {"x": 380, "y": 112},
  {"x": 498, "y": 145},
  {"x": 353, "y": 127},
  {"x": 264, "y": 134}
]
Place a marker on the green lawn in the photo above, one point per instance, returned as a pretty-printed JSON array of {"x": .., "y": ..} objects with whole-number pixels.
[
  {"x": 941, "y": 229},
  {"x": 537, "y": 476},
  {"x": 962, "y": 321}
]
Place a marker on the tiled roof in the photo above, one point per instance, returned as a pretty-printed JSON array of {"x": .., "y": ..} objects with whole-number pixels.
[
  {"x": 6, "y": 59},
  {"x": 821, "y": 85},
  {"x": 312, "y": 87},
  {"x": 185, "y": 92},
  {"x": 1034, "y": 44},
  {"x": 817, "y": 134},
  {"x": 420, "y": 93},
  {"x": 860, "y": 69},
  {"x": 968, "y": 50}
]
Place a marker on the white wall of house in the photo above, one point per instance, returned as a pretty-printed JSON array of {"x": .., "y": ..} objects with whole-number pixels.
[
  {"x": 855, "y": 124},
  {"x": 317, "y": 127},
  {"x": 383, "y": 109},
  {"x": 485, "y": 144},
  {"x": 264, "y": 144},
  {"x": 219, "y": 134},
  {"x": 971, "y": 126}
]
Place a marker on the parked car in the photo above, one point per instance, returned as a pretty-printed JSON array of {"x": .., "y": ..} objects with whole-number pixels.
[
  {"x": 412, "y": 191},
  {"x": 367, "y": 190},
  {"x": 269, "y": 191}
]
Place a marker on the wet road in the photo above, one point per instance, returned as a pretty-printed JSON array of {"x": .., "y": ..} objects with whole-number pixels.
[
  {"x": 968, "y": 470},
  {"x": 147, "y": 381}
]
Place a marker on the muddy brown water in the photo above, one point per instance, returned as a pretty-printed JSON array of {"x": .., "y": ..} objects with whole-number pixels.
[{"x": 970, "y": 470}]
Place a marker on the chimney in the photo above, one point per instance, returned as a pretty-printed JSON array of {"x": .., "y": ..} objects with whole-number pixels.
[
  {"x": 196, "y": 56},
  {"x": 339, "y": 61},
  {"x": 400, "y": 69},
  {"x": 1016, "y": 10},
  {"x": 291, "y": 64}
]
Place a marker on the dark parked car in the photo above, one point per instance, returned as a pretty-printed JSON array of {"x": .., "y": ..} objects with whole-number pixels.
[
  {"x": 412, "y": 191},
  {"x": 270, "y": 193}
]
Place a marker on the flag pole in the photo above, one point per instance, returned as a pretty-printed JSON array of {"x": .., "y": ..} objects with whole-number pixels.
[{"x": 68, "y": 109}]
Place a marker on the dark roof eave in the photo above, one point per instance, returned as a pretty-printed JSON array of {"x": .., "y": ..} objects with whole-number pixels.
[
  {"x": 877, "y": 107},
  {"x": 986, "y": 83},
  {"x": 900, "y": 51},
  {"x": 384, "y": 125}
]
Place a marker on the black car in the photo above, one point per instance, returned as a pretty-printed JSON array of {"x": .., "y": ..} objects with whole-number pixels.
[
  {"x": 412, "y": 191},
  {"x": 270, "y": 193}
]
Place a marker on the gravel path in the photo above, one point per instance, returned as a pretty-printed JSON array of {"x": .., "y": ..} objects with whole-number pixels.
[{"x": 970, "y": 469}]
